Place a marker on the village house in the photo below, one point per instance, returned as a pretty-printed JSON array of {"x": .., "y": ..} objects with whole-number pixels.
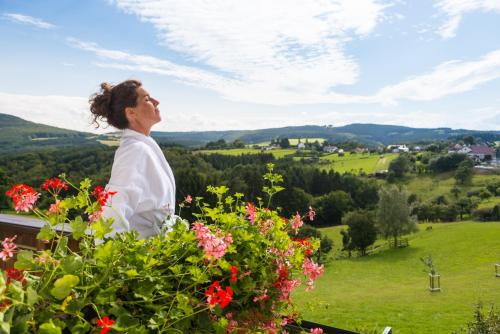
[
  {"x": 301, "y": 146},
  {"x": 457, "y": 148},
  {"x": 481, "y": 153},
  {"x": 396, "y": 148},
  {"x": 330, "y": 149}
]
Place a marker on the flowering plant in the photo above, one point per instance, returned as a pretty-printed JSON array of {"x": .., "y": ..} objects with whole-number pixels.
[{"x": 232, "y": 271}]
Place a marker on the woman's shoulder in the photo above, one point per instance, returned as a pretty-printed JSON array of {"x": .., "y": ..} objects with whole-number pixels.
[{"x": 133, "y": 149}]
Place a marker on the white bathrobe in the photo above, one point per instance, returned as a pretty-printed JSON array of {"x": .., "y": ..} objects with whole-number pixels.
[{"x": 144, "y": 185}]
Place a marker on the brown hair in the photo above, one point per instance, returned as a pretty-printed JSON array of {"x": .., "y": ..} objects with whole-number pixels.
[{"x": 109, "y": 104}]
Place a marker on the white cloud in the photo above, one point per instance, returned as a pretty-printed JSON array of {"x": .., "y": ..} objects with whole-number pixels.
[
  {"x": 273, "y": 52},
  {"x": 230, "y": 88},
  {"x": 454, "y": 10},
  {"x": 25, "y": 19},
  {"x": 448, "y": 78},
  {"x": 67, "y": 112}
]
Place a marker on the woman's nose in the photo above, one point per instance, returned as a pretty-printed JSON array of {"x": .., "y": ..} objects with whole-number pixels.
[{"x": 155, "y": 102}]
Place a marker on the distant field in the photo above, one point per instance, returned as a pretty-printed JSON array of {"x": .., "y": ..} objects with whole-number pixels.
[
  {"x": 295, "y": 141},
  {"x": 110, "y": 142},
  {"x": 278, "y": 153},
  {"x": 355, "y": 163},
  {"x": 389, "y": 288},
  {"x": 429, "y": 187}
]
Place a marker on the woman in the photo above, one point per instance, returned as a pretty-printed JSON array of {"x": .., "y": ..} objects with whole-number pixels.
[{"x": 141, "y": 177}]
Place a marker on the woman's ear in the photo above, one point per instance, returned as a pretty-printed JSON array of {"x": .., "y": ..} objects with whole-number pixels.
[{"x": 130, "y": 113}]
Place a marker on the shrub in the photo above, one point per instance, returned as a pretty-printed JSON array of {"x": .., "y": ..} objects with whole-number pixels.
[
  {"x": 233, "y": 270},
  {"x": 487, "y": 214},
  {"x": 483, "y": 323}
]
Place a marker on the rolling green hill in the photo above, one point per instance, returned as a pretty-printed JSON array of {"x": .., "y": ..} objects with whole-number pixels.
[
  {"x": 17, "y": 134},
  {"x": 389, "y": 288},
  {"x": 368, "y": 134}
]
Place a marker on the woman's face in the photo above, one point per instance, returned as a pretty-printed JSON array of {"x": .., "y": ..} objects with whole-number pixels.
[{"x": 146, "y": 113}]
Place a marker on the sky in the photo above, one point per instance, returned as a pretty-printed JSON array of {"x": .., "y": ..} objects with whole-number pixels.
[{"x": 234, "y": 64}]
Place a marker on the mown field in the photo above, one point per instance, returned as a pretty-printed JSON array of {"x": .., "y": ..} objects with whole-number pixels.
[
  {"x": 349, "y": 163},
  {"x": 356, "y": 163},
  {"x": 389, "y": 287},
  {"x": 278, "y": 153},
  {"x": 429, "y": 187}
]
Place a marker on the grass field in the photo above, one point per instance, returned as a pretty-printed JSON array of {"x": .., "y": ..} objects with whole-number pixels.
[
  {"x": 278, "y": 153},
  {"x": 295, "y": 141},
  {"x": 355, "y": 163},
  {"x": 429, "y": 187},
  {"x": 389, "y": 288}
]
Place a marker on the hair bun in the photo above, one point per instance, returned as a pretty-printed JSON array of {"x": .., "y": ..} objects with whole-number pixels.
[{"x": 106, "y": 87}]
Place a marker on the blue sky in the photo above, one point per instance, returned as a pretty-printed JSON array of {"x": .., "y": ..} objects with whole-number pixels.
[{"x": 230, "y": 64}]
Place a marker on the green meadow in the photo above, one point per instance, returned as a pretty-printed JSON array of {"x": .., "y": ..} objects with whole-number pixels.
[
  {"x": 390, "y": 288},
  {"x": 356, "y": 163},
  {"x": 278, "y": 153},
  {"x": 429, "y": 187}
]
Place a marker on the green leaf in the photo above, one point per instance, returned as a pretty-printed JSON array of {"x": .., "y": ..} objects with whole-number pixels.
[
  {"x": 71, "y": 264},
  {"x": 25, "y": 260},
  {"x": 78, "y": 227},
  {"x": 3, "y": 285},
  {"x": 49, "y": 328},
  {"x": 198, "y": 275},
  {"x": 104, "y": 254},
  {"x": 106, "y": 295},
  {"x": 132, "y": 273},
  {"x": 81, "y": 328},
  {"x": 46, "y": 233},
  {"x": 62, "y": 286},
  {"x": 85, "y": 184},
  {"x": 32, "y": 296},
  {"x": 16, "y": 291},
  {"x": 102, "y": 227}
]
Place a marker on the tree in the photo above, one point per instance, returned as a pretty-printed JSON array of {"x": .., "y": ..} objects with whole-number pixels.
[
  {"x": 469, "y": 140},
  {"x": 284, "y": 143},
  {"x": 361, "y": 230},
  {"x": 326, "y": 244},
  {"x": 331, "y": 207},
  {"x": 346, "y": 242},
  {"x": 464, "y": 172},
  {"x": 399, "y": 166},
  {"x": 237, "y": 143},
  {"x": 393, "y": 213}
]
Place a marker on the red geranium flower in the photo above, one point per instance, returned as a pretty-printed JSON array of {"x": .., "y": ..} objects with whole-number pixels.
[
  {"x": 23, "y": 196},
  {"x": 222, "y": 296},
  {"x": 106, "y": 324},
  {"x": 234, "y": 271},
  {"x": 54, "y": 184},
  {"x": 14, "y": 274},
  {"x": 102, "y": 195}
]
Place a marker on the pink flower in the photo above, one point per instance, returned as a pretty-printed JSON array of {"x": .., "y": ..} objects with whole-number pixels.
[
  {"x": 262, "y": 296},
  {"x": 188, "y": 199},
  {"x": 312, "y": 214},
  {"x": 316, "y": 331},
  {"x": 213, "y": 246},
  {"x": 265, "y": 226},
  {"x": 55, "y": 208},
  {"x": 8, "y": 248},
  {"x": 312, "y": 270},
  {"x": 297, "y": 223},
  {"x": 251, "y": 212},
  {"x": 95, "y": 216},
  {"x": 23, "y": 196}
]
